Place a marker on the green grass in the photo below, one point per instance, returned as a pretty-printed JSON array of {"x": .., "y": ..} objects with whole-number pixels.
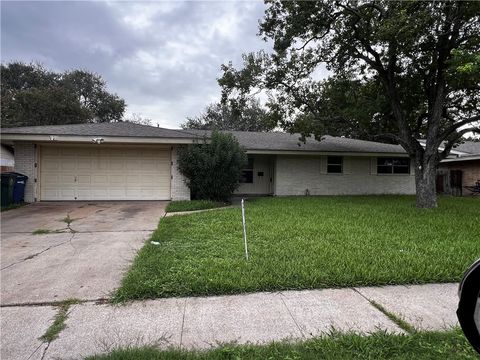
[
  {"x": 12, "y": 206},
  {"x": 305, "y": 243},
  {"x": 43, "y": 232},
  {"x": 59, "y": 321},
  {"x": 429, "y": 345},
  {"x": 191, "y": 205}
]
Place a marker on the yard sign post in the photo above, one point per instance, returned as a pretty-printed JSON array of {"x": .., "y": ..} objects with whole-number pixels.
[{"x": 244, "y": 230}]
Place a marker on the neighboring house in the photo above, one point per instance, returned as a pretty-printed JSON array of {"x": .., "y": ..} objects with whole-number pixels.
[
  {"x": 125, "y": 161},
  {"x": 6, "y": 159},
  {"x": 460, "y": 169}
]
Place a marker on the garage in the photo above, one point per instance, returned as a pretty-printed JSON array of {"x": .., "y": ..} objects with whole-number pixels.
[{"x": 99, "y": 172}]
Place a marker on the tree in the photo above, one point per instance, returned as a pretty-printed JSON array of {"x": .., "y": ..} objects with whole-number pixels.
[
  {"x": 138, "y": 119},
  {"x": 32, "y": 95},
  {"x": 213, "y": 169},
  {"x": 421, "y": 59},
  {"x": 246, "y": 116}
]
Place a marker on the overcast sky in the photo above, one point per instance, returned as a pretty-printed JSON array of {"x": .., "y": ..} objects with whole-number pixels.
[{"x": 163, "y": 58}]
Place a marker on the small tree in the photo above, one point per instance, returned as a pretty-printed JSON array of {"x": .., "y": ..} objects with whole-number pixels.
[{"x": 213, "y": 168}]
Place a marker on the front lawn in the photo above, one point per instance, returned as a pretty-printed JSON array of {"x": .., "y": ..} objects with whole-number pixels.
[
  {"x": 305, "y": 243},
  {"x": 192, "y": 205},
  {"x": 429, "y": 345}
]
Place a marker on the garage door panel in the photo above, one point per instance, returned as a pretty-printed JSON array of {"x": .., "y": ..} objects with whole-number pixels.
[
  {"x": 104, "y": 174},
  {"x": 84, "y": 180},
  {"x": 68, "y": 163},
  {"x": 85, "y": 163}
]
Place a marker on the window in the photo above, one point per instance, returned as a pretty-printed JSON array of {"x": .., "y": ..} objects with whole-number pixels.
[
  {"x": 393, "y": 166},
  {"x": 334, "y": 164},
  {"x": 247, "y": 173}
]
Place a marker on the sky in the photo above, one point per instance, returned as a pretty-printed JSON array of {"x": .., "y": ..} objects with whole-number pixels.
[{"x": 162, "y": 57}]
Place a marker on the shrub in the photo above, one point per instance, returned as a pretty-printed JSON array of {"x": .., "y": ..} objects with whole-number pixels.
[{"x": 213, "y": 168}]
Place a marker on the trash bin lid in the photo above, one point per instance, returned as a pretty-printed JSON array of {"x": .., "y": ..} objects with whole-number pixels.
[{"x": 16, "y": 175}]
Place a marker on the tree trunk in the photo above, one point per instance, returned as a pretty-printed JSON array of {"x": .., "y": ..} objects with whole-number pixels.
[{"x": 425, "y": 178}]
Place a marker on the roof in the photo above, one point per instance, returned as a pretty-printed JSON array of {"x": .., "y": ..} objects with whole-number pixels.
[
  {"x": 462, "y": 158},
  {"x": 121, "y": 129},
  {"x": 251, "y": 141},
  {"x": 279, "y": 141},
  {"x": 469, "y": 147}
]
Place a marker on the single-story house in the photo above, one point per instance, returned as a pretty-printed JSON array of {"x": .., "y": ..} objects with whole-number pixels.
[
  {"x": 126, "y": 161},
  {"x": 461, "y": 169}
]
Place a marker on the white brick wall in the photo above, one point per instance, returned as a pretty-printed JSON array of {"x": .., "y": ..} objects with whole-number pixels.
[
  {"x": 179, "y": 189},
  {"x": 295, "y": 174},
  {"x": 25, "y": 158}
]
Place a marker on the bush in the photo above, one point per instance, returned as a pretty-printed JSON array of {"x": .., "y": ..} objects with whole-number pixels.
[{"x": 213, "y": 168}]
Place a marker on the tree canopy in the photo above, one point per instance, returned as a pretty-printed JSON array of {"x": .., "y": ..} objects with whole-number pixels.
[
  {"x": 248, "y": 115},
  {"x": 32, "y": 95},
  {"x": 403, "y": 70}
]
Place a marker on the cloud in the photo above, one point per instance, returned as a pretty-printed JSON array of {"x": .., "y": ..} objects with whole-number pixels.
[{"x": 162, "y": 57}]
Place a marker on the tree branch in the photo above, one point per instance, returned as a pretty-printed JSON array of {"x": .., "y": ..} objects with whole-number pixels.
[{"x": 453, "y": 139}]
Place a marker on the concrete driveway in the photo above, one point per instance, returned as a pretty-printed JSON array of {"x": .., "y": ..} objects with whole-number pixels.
[{"x": 84, "y": 253}]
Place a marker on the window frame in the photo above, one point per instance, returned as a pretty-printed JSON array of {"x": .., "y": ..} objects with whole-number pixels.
[
  {"x": 393, "y": 166},
  {"x": 335, "y": 164},
  {"x": 248, "y": 169}
]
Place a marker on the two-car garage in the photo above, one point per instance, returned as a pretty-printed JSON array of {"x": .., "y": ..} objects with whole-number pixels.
[{"x": 99, "y": 172}]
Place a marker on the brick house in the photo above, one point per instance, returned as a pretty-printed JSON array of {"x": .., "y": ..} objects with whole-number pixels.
[
  {"x": 460, "y": 170},
  {"x": 125, "y": 161}
]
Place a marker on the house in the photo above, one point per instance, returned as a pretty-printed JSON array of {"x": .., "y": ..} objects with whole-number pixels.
[
  {"x": 460, "y": 169},
  {"x": 126, "y": 161}
]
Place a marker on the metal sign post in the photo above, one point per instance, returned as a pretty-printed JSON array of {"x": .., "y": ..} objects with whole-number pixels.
[{"x": 244, "y": 230}]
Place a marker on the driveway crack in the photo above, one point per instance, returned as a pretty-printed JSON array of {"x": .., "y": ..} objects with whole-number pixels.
[{"x": 30, "y": 257}]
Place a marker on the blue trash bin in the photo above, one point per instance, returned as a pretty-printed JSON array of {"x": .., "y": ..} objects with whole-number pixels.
[{"x": 19, "y": 187}]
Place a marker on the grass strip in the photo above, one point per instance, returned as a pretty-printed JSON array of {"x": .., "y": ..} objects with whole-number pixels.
[
  {"x": 402, "y": 324},
  {"x": 12, "y": 206},
  {"x": 380, "y": 345},
  {"x": 192, "y": 205},
  {"x": 43, "y": 232},
  {"x": 59, "y": 321}
]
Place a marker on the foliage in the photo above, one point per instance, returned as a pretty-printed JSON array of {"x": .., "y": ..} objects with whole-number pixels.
[
  {"x": 138, "y": 119},
  {"x": 192, "y": 205},
  {"x": 245, "y": 116},
  {"x": 32, "y": 95},
  {"x": 415, "y": 62},
  {"x": 213, "y": 168},
  {"x": 450, "y": 344},
  {"x": 360, "y": 241}
]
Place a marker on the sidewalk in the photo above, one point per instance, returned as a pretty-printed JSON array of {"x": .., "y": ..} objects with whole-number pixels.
[{"x": 204, "y": 322}]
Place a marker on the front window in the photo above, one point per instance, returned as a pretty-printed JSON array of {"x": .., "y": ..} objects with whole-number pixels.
[
  {"x": 247, "y": 173},
  {"x": 334, "y": 164},
  {"x": 393, "y": 166}
]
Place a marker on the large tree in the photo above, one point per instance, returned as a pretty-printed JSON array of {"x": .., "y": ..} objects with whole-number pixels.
[
  {"x": 420, "y": 58},
  {"x": 243, "y": 116},
  {"x": 32, "y": 95}
]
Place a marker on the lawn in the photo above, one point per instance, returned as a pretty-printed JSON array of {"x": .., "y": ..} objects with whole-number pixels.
[
  {"x": 429, "y": 345},
  {"x": 305, "y": 243},
  {"x": 191, "y": 205}
]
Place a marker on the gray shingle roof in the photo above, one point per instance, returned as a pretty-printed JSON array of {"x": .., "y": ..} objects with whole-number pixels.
[
  {"x": 278, "y": 141},
  {"x": 272, "y": 141},
  {"x": 469, "y": 147},
  {"x": 123, "y": 129}
]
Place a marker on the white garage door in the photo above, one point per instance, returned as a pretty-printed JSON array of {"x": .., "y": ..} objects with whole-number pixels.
[{"x": 102, "y": 173}]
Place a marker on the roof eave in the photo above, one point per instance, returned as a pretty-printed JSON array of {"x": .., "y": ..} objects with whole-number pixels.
[
  {"x": 310, "y": 152},
  {"x": 9, "y": 138}
]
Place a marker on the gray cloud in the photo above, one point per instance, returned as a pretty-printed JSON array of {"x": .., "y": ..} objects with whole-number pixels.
[{"x": 162, "y": 57}]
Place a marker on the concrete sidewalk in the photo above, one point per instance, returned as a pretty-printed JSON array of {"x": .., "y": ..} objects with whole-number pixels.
[{"x": 199, "y": 323}]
